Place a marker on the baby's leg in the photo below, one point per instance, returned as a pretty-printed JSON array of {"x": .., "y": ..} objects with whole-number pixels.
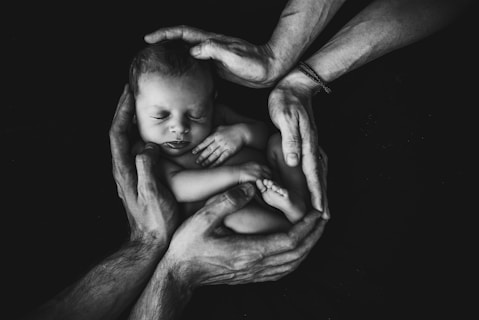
[
  {"x": 293, "y": 198},
  {"x": 255, "y": 218}
]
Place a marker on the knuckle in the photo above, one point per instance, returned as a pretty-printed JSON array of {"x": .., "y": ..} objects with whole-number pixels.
[
  {"x": 291, "y": 144},
  {"x": 292, "y": 243},
  {"x": 291, "y": 112}
]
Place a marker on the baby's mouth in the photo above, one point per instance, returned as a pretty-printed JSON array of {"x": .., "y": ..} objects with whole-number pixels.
[{"x": 176, "y": 144}]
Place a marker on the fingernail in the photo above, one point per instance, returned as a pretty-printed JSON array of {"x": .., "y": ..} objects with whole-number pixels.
[
  {"x": 195, "y": 51},
  {"x": 292, "y": 159}
]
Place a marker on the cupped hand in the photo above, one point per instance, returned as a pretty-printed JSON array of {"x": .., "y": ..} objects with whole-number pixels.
[
  {"x": 291, "y": 112},
  {"x": 198, "y": 255},
  {"x": 151, "y": 208},
  {"x": 237, "y": 60},
  {"x": 219, "y": 146}
]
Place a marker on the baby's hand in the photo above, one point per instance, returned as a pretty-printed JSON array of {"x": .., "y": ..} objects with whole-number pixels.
[
  {"x": 252, "y": 171},
  {"x": 220, "y": 145}
]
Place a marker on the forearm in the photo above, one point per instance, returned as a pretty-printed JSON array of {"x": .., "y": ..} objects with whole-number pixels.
[
  {"x": 299, "y": 24},
  {"x": 110, "y": 287},
  {"x": 195, "y": 185},
  {"x": 380, "y": 28},
  {"x": 164, "y": 297}
]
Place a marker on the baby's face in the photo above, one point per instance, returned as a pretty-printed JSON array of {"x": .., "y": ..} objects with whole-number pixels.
[{"x": 175, "y": 112}]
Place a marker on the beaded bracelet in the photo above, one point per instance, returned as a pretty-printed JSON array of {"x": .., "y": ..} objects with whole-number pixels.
[{"x": 307, "y": 70}]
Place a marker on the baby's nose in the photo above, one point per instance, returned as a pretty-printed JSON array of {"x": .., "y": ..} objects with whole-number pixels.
[{"x": 180, "y": 127}]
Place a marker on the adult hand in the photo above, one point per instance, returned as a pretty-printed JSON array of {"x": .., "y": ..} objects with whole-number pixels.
[
  {"x": 151, "y": 208},
  {"x": 290, "y": 111},
  {"x": 198, "y": 255},
  {"x": 237, "y": 60}
]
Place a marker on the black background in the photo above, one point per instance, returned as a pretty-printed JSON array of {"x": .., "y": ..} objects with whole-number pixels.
[{"x": 398, "y": 133}]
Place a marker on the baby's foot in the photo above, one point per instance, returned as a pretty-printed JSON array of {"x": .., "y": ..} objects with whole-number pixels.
[{"x": 281, "y": 199}]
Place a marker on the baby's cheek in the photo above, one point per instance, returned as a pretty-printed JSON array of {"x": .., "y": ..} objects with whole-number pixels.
[
  {"x": 152, "y": 134},
  {"x": 200, "y": 132}
]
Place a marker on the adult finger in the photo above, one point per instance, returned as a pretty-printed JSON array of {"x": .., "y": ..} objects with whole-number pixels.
[
  {"x": 267, "y": 274},
  {"x": 119, "y": 126},
  {"x": 311, "y": 167},
  {"x": 188, "y": 34},
  {"x": 285, "y": 116},
  {"x": 219, "y": 206},
  {"x": 311, "y": 158},
  {"x": 145, "y": 162},
  {"x": 124, "y": 111},
  {"x": 263, "y": 275},
  {"x": 222, "y": 278},
  {"x": 291, "y": 141},
  {"x": 123, "y": 167},
  {"x": 213, "y": 49}
]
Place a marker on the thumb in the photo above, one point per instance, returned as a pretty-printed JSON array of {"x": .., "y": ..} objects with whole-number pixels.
[
  {"x": 226, "y": 203},
  {"x": 210, "y": 49},
  {"x": 291, "y": 143}
]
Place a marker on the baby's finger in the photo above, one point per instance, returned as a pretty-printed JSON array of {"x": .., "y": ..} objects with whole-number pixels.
[
  {"x": 225, "y": 155},
  {"x": 215, "y": 155},
  {"x": 206, "y": 153},
  {"x": 203, "y": 144}
]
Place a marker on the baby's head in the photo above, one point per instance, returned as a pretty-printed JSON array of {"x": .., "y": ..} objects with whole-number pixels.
[{"x": 174, "y": 96}]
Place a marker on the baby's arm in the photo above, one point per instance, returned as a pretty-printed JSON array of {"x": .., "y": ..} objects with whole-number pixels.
[
  {"x": 190, "y": 185},
  {"x": 255, "y": 133},
  {"x": 232, "y": 133}
]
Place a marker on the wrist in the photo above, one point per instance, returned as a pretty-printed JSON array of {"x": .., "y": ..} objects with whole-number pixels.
[
  {"x": 278, "y": 63},
  {"x": 244, "y": 133},
  {"x": 237, "y": 173},
  {"x": 150, "y": 239},
  {"x": 178, "y": 273},
  {"x": 297, "y": 79}
]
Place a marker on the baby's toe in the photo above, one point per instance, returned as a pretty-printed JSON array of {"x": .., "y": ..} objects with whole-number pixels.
[
  {"x": 268, "y": 183},
  {"x": 261, "y": 185}
]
